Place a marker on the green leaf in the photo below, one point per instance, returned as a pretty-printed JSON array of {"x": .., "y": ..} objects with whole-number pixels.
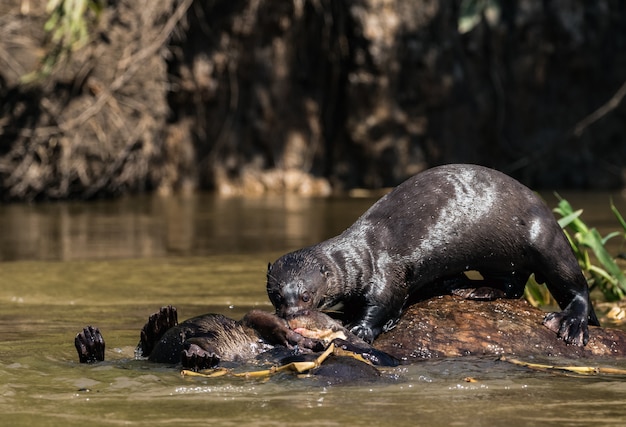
[
  {"x": 569, "y": 218},
  {"x": 593, "y": 240},
  {"x": 537, "y": 294},
  {"x": 566, "y": 211},
  {"x": 51, "y": 23},
  {"x": 610, "y": 236},
  {"x": 619, "y": 216}
]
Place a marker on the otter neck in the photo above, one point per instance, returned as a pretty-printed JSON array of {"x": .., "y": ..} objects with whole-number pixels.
[{"x": 352, "y": 265}]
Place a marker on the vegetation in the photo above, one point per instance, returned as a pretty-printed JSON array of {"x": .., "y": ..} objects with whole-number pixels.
[
  {"x": 600, "y": 268},
  {"x": 472, "y": 12},
  {"x": 68, "y": 26}
]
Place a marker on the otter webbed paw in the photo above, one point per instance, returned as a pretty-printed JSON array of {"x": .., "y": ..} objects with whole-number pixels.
[
  {"x": 570, "y": 328},
  {"x": 366, "y": 333},
  {"x": 89, "y": 345},
  {"x": 157, "y": 324},
  {"x": 295, "y": 339}
]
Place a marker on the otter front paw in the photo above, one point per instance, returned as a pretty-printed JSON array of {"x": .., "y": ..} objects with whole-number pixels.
[
  {"x": 570, "y": 328},
  {"x": 89, "y": 345},
  {"x": 366, "y": 333}
]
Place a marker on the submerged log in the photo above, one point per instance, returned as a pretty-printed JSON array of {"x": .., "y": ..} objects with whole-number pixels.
[
  {"x": 450, "y": 326},
  {"x": 445, "y": 326}
]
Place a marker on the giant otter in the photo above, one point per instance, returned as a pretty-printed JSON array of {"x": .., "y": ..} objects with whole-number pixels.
[
  {"x": 431, "y": 229},
  {"x": 205, "y": 340},
  {"x": 211, "y": 339}
]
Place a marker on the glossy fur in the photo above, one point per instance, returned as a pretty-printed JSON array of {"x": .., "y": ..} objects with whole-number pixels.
[{"x": 433, "y": 227}]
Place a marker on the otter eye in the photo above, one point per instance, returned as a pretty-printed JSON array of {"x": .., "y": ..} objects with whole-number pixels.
[{"x": 305, "y": 296}]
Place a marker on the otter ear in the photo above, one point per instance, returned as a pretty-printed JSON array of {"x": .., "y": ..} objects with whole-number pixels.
[{"x": 269, "y": 267}]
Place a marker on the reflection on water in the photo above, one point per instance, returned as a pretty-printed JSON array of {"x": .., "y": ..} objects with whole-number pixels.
[
  {"x": 155, "y": 227},
  {"x": 112, "y": 263},
  {"x": 201, "y": 224}
]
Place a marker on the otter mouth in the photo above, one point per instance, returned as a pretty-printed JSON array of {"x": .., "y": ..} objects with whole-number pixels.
[{"x": 291, "y": 312}]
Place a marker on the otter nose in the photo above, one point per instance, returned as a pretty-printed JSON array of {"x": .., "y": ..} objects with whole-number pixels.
[{"x": 289, "y": 311}]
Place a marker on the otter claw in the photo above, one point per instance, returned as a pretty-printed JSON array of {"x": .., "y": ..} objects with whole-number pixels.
[
  {"x": 363, "y": 332},
  {"x": 567, "y": 327},
  {"x": 154, "y": 329},
  {"x": 90, "y": 345}
]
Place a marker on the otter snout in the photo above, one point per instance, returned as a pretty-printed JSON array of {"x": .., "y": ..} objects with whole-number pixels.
[
  {"x": 294, "y": 302},
  {"x": 288, "y": 312},
  {"x": 291, "y": 299}
]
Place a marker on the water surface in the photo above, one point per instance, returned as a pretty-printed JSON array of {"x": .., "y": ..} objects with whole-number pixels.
[{"x": 112, "y": 263}]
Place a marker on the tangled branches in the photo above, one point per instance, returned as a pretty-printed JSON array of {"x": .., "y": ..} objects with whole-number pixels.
[{"x": 96, "y": 125}]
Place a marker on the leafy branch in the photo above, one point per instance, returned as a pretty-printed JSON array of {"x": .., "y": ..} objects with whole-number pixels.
[{"x": 68, "y": 26}]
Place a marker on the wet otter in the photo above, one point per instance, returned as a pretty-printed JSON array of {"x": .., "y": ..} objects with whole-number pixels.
[
  {"x": 204, "y": 341},
  {"x": 434, "y": 226},
  {"x": 211, "y": 339}
]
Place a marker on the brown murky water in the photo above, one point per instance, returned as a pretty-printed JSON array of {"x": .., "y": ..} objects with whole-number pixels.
[{"x": 66, "y": 265}]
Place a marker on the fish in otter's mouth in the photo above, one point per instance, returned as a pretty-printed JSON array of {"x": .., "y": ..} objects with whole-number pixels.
[{"x": 317, "y": 325}]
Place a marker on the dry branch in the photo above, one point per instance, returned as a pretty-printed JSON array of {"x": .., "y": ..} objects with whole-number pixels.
[{"x": 101, "y": 118}]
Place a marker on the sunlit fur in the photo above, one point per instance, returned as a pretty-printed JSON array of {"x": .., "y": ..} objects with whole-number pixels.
[{"x": 436, "y": 225}]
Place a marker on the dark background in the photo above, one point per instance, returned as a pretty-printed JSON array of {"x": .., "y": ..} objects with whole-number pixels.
[{"x": 312, "y": 96}]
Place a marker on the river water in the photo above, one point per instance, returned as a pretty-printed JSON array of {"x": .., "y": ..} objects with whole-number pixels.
[{"x": 112, "y": 263}]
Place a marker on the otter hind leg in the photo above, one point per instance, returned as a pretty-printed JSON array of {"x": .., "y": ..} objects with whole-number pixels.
[
  {"x": 571, "y": 324},
  {"x": 89, "y": 345},
  {"x": 560, "y": 271},
  {"x": 154, "y": 329}
]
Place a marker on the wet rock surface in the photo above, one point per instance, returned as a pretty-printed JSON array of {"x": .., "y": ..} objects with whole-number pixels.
[{"x": 450, "y": 326}]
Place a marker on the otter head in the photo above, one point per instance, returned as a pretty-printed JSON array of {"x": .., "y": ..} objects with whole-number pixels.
[{"x": 296, "y": 282}]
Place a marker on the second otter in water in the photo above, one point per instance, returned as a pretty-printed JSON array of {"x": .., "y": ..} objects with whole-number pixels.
[
  {"x": 208, "y": 340},
  {"x": 431, "y": 229}
]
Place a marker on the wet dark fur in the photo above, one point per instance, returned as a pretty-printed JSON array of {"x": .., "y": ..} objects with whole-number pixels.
[
  {"x": 431, "y": 229},
  {"x": 211, "y": 339},
  {"x": 206, "y": 340},
  {"x": 212, "y": 336}
]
